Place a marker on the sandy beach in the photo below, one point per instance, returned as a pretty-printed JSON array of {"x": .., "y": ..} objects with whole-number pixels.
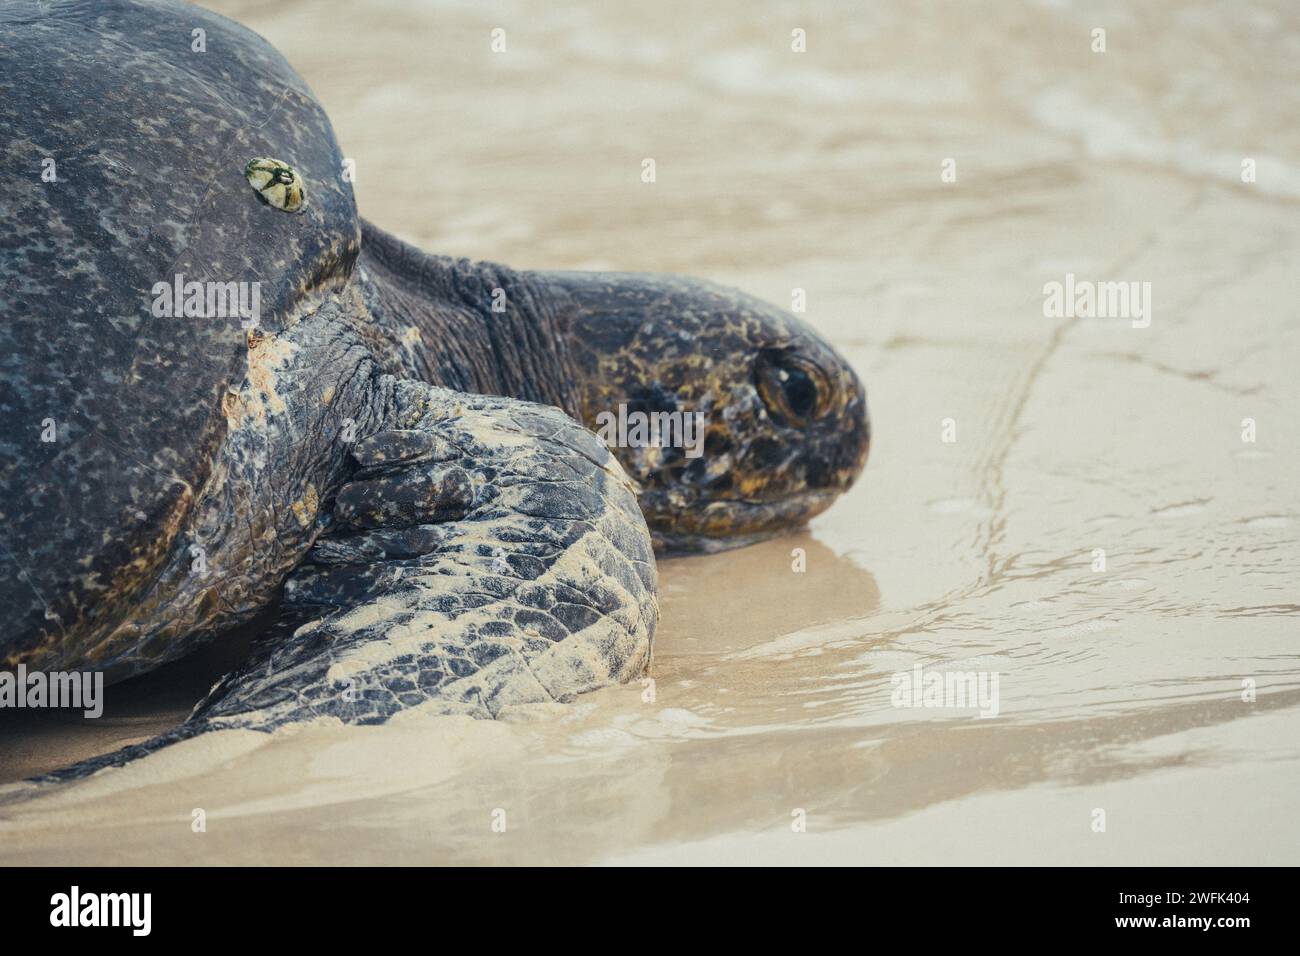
[{"x": 1101, "y": 513}]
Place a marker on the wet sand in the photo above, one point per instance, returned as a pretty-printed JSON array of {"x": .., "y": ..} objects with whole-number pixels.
[{"x": 772, "y": 702}]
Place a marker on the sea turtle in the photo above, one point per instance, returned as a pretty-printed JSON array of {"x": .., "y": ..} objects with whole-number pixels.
[{"x": 223, "y": 392}]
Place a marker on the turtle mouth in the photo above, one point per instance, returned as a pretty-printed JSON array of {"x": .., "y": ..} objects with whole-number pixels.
[{"x": 720, "y": 524}]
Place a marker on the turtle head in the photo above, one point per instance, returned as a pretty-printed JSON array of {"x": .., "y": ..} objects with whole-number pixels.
[{"x": 737, "y": 420}]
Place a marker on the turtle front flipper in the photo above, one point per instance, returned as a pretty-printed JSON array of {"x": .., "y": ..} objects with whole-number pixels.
[{"x": 488, "y": 553}]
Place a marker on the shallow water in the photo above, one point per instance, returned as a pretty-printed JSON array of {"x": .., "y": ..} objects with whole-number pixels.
[{"x": 1119, "y": 690}]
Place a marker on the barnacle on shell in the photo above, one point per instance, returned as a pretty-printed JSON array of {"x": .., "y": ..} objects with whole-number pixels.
[{"x": 276, "y": 182}]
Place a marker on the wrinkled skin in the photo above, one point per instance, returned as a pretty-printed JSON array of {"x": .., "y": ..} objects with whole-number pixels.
[
  {"x": 655, "y": 343},
  {"x": 426, "y": 545}
]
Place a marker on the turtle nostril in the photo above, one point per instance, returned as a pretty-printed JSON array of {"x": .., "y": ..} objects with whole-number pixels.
[{"x": 700, "y": 475}]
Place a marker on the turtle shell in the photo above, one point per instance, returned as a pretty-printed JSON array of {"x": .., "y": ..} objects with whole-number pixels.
[{"x": 128, "y": 130}]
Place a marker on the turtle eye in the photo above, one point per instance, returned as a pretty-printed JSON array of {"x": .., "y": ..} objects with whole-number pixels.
[
  {"x": 794, "y": 389},
  {"x": 800, "y": 390}
]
